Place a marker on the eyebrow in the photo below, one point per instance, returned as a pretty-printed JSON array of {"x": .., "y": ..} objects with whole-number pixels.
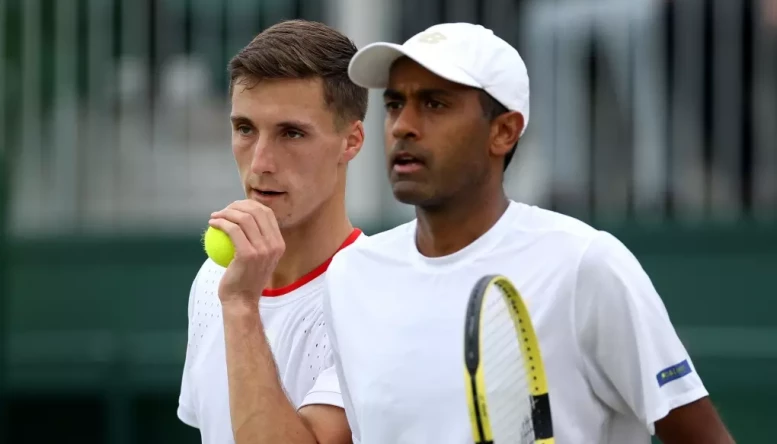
[
  {"x": 237, "y": 119},
  {"x": 297, "y": 124},
  {"x": 392, "y": 94}
]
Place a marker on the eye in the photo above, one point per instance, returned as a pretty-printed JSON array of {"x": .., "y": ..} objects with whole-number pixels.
[
  {"x": 392, "y": 105},
  {"x": 293, "y": 134},
  {"x": 433, "y": 104},
  {"x": 244, "y": 130}
]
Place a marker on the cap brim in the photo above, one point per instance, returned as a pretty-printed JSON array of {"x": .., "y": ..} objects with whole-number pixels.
[{"x": 370, "y": 66}]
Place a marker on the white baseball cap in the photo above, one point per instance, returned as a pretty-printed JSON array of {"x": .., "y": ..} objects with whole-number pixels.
[{"x": 463, "y": 53}]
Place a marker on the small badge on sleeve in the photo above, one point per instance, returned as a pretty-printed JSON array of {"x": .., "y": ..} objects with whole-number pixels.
[{"x": 676, "y": 371}]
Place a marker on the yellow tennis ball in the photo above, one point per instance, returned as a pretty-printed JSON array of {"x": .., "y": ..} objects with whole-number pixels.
[{"x": 218, "y": 246}]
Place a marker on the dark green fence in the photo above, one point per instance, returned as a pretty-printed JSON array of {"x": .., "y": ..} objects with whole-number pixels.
[{"x": 97, "y": 329}]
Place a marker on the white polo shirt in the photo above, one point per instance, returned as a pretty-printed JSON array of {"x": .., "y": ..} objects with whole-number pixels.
[
  {"x": 294, "y": 325},
  {"x": 396, "y": 318}
]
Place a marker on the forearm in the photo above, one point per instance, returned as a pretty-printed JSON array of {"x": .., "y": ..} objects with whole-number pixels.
[{"x": 259, "y": 408}]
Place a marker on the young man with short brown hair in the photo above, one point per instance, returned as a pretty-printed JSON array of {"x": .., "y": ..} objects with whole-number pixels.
[{"x": 258, "y": 365}]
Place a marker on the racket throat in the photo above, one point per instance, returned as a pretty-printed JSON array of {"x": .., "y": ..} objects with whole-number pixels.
[
  {"x": 543, "y": 426},
  {"x": 479, "y": 413}
]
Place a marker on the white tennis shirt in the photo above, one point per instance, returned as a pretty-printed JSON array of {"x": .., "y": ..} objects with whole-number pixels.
[
  {"x": 294, "y": 326},
  {"x": 396, "y": 318}
]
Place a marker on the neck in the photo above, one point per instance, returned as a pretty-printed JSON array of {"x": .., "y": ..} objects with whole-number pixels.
[
  {"x": 312, "y": 242},
  {"x": 448, "y": 228}
]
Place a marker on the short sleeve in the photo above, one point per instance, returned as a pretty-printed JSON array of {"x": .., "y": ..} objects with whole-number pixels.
[
  {"x": 186, "y": 412},
  {"x": 326, "y": 390},
  {"x": 634, "y": 359}
]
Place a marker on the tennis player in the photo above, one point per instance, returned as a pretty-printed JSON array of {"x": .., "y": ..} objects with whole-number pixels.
[
  {"x": 457, "y": 103},
  {"x": 258, "y": 364}
]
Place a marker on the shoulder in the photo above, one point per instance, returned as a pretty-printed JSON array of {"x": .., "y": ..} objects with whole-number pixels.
[
  {"x": 541, "y": 223},
  {"x": 606, "y": 254},
  {"x": 381, "y": 248},
  {"x": 595, "y": 254},
  {"x": 208, "y": 274},
  {"x": 205, "y": 282},
  {"x": 556, "y": 237},
  {"x": 386, "y": 241},
  {"x": 589, "y": 252},
  {"x": 609, "y": 275}
]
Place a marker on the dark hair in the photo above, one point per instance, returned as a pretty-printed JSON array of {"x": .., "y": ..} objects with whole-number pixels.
[
  {"x": 300, "y": 49},
  {"x": 491, "y": 110}
]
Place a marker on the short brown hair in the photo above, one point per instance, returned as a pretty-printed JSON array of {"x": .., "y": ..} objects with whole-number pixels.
[{"x": 300, "y": 49}]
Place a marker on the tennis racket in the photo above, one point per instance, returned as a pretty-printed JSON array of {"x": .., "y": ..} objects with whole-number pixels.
[{"x": 507, "y": 391}]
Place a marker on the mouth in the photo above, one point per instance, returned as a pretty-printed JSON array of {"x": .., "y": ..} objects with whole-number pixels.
[
  {"x": 266, "y": 194},
  {"x": 405, "y": 163}
]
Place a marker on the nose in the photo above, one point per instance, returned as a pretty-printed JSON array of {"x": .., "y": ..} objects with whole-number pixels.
[
  {"x": 263, "y": 157},
  {"x": 406, "y": 124}
]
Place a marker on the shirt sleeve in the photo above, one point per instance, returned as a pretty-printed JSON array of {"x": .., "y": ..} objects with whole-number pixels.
[
  {"x": 326, "y": 390},
  {"x": 634, "y": 359},
  {"x": 186, "y": 412}
]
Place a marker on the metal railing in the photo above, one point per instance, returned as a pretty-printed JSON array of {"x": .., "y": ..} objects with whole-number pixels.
[
  {"x": 659, "y": 109},
  {"x": 116, "y": 115},
  {"x": 116, "y": 112}
]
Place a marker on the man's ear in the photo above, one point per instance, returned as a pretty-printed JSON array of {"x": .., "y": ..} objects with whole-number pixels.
[
  {"x": 353, "y": 141},
  {"x": 506, "y": 129}
]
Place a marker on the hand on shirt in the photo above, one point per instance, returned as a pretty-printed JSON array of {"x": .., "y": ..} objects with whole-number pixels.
[{"x": 258, "y": 247}]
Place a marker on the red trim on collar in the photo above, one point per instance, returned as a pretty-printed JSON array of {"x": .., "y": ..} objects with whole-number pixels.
[{"x": 318, "y": 271}]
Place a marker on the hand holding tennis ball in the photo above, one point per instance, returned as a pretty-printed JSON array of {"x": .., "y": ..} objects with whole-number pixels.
[
  {"x": 244, "y": 237},
  {"x": 218, "y": 246}
]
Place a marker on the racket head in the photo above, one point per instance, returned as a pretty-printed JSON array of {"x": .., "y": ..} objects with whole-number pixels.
[{"x": 506, "y": 387}]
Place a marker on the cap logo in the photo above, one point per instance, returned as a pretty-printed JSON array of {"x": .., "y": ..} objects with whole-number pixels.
[{"x": 432, "y": 37}]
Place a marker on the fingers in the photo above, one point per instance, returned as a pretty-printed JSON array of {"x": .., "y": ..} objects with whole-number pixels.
[
  {"x": 242, "y": 245},
  {"x": 265, "y": 220},
  {"x": 263, "y": 217},
  {"x": 245, "y": 221},
  {"x": 252, "y": 228}
]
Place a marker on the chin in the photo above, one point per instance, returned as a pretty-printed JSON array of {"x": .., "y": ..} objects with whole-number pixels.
[
  {"x": 411, "y": 194},
  {"x": 286, "y": 219},
  {"x": 289, "y": 218}
]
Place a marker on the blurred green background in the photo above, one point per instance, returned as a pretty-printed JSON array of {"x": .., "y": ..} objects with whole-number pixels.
[{"x": 652, "y": 119}]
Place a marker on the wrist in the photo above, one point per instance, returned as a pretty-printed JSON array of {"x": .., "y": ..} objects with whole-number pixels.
[{"x": 239, "y": 306}]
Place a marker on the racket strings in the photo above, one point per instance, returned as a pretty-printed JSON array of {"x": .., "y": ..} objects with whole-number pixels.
[{"x": 507, "y": 382}]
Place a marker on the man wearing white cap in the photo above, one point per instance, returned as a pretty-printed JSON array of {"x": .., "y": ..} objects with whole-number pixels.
[{"x": 457, "y": 103}]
